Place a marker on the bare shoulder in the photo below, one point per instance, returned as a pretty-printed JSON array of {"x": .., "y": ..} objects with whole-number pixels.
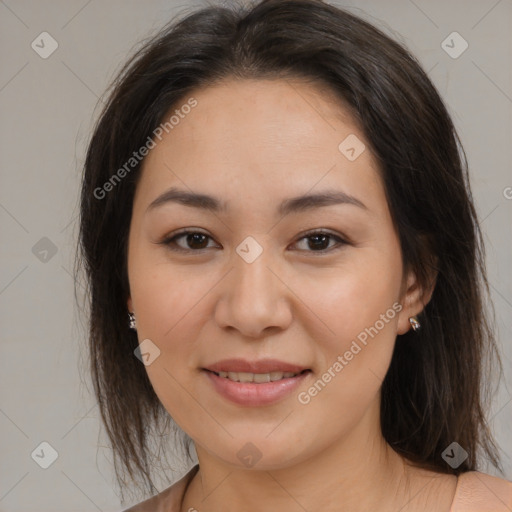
[
  {"x": 481, "y": 492},
  {"x": 471, "y": 491}
]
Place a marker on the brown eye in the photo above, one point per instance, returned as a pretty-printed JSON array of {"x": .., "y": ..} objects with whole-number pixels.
[
  {"x": 319, "y": 241},
  {"x": 192, "y": 241}
]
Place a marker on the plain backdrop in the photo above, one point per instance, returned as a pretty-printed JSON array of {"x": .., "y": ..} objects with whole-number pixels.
[{"x": 48, "y": 106}]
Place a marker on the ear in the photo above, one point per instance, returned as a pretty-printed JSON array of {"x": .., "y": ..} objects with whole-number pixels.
[
  {"x": 129, "y": 304},
  {"x": 415, "y": 298}
]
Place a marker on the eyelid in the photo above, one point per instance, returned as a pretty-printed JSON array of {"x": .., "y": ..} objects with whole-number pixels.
[{"x": 323, "y": 231}]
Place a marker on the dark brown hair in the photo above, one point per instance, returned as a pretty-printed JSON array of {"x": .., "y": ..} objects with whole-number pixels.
[{"x": 438, "y": 381}]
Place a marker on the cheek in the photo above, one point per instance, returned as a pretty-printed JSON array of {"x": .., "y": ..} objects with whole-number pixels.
[
  {"x": 168, "y": 298},
  {"x": 358, "y": 306},
  {"x": 168, "y": 307},
  {"x": 172, "y": 322},
  {"x": 354, "y": 360},
  {"x": 355, "y": 301}
]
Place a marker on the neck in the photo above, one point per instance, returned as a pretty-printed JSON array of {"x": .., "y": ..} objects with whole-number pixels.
[{"x": 359, "y": 472}]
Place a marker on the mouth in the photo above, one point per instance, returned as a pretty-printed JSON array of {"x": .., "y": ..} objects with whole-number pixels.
[
  {"x": 257, "y": 378},
  {"x": 261, "y": 367},
  {"x": 257, "y": 383}
]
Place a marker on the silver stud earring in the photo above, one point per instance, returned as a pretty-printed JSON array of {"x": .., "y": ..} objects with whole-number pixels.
[
  {"x": 414, "y": 323},
  {"x": 133, "y": 324}
]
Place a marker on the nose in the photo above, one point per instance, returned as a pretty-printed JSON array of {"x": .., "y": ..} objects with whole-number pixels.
[{"x": 254, "y": 299}]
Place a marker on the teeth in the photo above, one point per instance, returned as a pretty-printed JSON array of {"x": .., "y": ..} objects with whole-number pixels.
[{"x": 256, "y": 377}]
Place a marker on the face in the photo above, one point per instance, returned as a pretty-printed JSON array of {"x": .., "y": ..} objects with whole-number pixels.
[{"x": 300, "y": 300}]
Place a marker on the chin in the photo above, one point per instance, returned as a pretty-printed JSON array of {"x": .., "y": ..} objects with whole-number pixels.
[{"x": 259, "y": 453}]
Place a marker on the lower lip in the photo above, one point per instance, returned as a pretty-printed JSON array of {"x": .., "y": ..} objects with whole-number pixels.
[{"x": 253, "y": 394}]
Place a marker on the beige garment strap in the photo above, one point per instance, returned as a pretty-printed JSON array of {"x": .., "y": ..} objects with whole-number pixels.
[{"x": 480, "y": 492}]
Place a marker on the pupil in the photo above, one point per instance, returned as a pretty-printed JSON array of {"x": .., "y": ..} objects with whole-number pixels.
[
  {"x": 195, "y": 238},
  {"x": 316, "y": 237}
]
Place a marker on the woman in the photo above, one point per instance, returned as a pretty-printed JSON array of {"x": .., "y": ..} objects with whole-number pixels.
[{"x": 284, "y": 258}]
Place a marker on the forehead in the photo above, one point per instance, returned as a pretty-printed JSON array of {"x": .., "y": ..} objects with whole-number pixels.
[
  {"x": 285, "y": 111},
  {"x": 259, "y": 137}
]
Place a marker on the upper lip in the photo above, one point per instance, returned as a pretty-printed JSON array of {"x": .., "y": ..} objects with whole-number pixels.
[{"x": 263, "y": 366}]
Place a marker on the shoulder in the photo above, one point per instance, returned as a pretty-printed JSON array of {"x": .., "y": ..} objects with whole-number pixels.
[
  {"x": 480, "y": 492},
  {"x": 169, "y": 500}
]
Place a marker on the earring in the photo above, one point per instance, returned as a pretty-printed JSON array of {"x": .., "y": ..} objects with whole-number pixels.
[
  {"x": 133, "y": 324},
  {"x": 414, "y": 323}
]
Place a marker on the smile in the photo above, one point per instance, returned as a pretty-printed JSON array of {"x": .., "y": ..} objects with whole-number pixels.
[
  {"x": 255, "y": 389},
  {"x": 258, "y": 378}
]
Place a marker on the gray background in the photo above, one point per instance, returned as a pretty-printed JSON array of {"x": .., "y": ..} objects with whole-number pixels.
[{"x": 47, "y": 110}]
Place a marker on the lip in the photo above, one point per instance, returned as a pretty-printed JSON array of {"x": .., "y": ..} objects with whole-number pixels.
[
  {"x": 252, "y": 394},
  {"x": 263, "y": 366}
]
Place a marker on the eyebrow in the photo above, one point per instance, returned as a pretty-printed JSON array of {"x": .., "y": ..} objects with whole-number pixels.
[{"x": 291, "y": 205}]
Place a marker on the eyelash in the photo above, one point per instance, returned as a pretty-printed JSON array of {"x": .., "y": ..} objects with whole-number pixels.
[{"x": 170, "y": 241}]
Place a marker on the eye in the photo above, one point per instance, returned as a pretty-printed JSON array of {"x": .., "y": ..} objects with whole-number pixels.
[
  {"x": 319, "y": 241},
  {"x": 195, "y": 241}
]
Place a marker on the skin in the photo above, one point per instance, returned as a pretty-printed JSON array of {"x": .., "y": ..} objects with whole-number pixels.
[{"x": 254, "y": 143}]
